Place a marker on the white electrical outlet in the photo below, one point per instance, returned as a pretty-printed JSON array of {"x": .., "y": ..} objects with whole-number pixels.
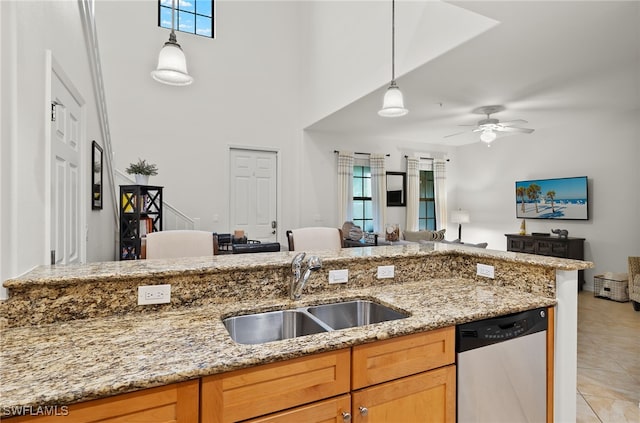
[
  {"x": 339, "y": 276},
  {"x": 386, "y": 272},
  {"x": 154, "y": 294},
  {"x": 485, "y": 270}
]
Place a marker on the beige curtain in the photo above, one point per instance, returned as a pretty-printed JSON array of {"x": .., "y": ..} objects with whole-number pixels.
[
  {"x": 413, "y": 193},
  {"x": 345, "y": 186},
  {"x": 440, "y": 192},
  {"x": 378, "y": 191}
]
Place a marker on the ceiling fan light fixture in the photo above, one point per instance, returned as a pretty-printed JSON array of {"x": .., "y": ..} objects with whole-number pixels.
[
  {"x": 488, "y": 136},
  {"x": 393, "y": 104}
]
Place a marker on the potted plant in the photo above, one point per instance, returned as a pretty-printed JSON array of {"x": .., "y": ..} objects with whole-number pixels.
[{"x": 141, "y": 170}]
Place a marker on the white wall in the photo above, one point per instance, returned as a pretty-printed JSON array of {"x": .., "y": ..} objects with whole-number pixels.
[
  {"x": 603, "y": 147},
  {"x": 347, "y": 46},
  {"x": 28, "y": 30},
  {"x": 246, "y": 93}
]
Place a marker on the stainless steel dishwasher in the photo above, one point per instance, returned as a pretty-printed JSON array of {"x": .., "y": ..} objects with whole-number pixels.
[{"x": 501, "y": 367}]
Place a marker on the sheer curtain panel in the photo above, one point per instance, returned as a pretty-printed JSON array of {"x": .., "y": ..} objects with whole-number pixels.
[
  {"x": 413, "y": 193},
  {"x": 378, "y": 191},
  {"x": 345, "y": 186},
  {"x": 440, "y": 191}
]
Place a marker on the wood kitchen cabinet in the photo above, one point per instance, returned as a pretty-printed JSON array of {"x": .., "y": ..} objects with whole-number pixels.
[
  {"x": 175, "y": 403},
  {"x": 406, "y": 379},
  {"x": 412, "y": 376}
]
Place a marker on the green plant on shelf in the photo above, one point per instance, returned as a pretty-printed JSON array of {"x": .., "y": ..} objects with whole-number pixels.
[{"x": 141, "y": 167}]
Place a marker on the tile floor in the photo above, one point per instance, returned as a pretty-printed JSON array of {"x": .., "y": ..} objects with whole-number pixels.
[{"x": 608, "y": 361}]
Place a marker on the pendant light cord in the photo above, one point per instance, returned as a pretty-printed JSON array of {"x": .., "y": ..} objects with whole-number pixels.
[
  {"x": 173, "y": 16},
  {"x": 393, "y": 41}
]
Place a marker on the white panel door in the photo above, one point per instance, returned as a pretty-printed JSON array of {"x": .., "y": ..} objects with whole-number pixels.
[
  {"x": 66, "y": 130},
  {"x": 253, "y": 176}
]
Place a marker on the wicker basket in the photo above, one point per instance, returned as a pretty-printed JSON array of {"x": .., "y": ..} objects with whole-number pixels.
[{"x": 615, "y": 287}]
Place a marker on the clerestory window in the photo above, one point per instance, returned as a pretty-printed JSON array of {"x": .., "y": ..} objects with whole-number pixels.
[{"x": 192, "y": 16}]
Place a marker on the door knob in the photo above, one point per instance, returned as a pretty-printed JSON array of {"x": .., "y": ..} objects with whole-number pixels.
[
  {"x": 363, "y": 410},
  {"x": 346, "y": 417}
]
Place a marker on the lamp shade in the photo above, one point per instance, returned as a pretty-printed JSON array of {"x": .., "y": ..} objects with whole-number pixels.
[
  {"x": 172, "y": 65},
  {"x": 393, "y": 104},
  {"x": 460, "y": 216},
  {"x": 487, "y": 136}
]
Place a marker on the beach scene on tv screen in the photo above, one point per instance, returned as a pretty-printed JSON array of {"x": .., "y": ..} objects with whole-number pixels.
[{"x": 564, "y": 198}]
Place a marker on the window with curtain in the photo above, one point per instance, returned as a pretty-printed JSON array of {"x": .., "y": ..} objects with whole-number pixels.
[
  {"x": 427, "y": 209},
  {"x": 362, "y": 201},
  {"x": 194, "y": 17}
]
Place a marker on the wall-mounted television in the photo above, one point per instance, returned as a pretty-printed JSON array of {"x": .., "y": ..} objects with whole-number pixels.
[{"x": 558, "y": 198}]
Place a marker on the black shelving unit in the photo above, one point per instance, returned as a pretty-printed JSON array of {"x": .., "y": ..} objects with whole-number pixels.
[{"x": 140, "y": 213}]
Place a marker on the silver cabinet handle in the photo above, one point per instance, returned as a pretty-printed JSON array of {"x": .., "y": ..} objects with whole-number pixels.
[
  {"x": 363, "y": 410},
  {"x": 346, "y": 416}
]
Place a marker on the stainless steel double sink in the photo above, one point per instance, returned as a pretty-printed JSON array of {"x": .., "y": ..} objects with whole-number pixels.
[{"x": 283, "y": 324}]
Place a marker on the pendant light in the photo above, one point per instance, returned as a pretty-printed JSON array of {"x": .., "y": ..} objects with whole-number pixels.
[
  {"x": 393, "y": 105},
  {"x": 172, "y": 64}
]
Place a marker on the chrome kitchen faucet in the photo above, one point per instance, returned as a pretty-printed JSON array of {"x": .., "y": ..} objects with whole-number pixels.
[{"x": 299, "y": 279}]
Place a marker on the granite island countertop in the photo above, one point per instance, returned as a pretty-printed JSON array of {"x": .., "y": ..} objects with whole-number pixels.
[{"x": 73, "y": 361}]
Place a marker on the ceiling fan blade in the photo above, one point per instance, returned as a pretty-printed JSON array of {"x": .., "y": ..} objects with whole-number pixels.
[
  {"x": 453, "y": 135},
  {"x": 513, "y": 122},
  {"x": 514, "y": 129}
]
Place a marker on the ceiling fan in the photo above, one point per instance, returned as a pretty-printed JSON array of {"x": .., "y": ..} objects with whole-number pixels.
[{"x": 489, "y": 126}]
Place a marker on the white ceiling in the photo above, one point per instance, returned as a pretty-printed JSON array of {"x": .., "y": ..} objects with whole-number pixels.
[{"x": 549, "y": 63}]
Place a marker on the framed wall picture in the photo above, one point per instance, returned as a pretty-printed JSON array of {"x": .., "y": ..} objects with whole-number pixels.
[{"x": 96, "y": 177}]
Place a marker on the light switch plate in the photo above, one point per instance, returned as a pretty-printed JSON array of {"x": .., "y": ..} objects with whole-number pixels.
[
  {"x": 339, "y": 276},
  {"x": 154, "y": 294}
]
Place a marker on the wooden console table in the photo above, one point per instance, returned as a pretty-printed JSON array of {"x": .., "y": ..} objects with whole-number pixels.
[{"x": 571, "y": 248}]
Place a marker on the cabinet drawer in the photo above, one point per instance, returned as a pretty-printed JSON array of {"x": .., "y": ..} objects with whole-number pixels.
[
  {"x": 394, "y": 358},
  {"x": 554, "y": 249},
  {"x": 326, "y": 411},
  {"x": 261, "y": 390},
  {"x": 176, "y": 403}
]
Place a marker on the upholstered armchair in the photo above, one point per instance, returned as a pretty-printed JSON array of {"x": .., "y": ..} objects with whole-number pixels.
[{"x": 634, "y": 282}]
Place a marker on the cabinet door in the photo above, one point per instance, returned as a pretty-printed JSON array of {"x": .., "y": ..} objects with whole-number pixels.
[
  {"x": 334, "y": 410},
  {"x": 425, "y": 397},
  {"x": 177, "y": 403}
]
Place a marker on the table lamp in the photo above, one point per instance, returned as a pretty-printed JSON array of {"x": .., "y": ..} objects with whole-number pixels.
[{"x": 460, "y": 217}]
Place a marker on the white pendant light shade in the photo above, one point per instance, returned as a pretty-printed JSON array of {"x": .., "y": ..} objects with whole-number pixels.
[
  {"x": 172, "y": 64},
  {"x": 393, "y": 104},
  {"x": 487, "y": 136}
]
